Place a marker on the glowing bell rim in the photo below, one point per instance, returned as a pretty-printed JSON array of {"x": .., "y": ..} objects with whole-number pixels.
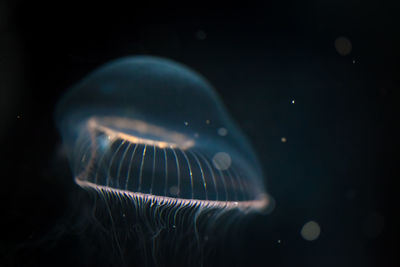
[
  {"x": 176, "y": 139},
  {"x": 259, "y": 204}
]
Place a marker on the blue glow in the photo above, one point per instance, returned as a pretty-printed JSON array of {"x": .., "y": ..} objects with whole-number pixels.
[{"x": 152, "y": 126}]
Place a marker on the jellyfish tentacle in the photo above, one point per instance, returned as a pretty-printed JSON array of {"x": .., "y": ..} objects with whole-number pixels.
[
  {"x": 190, "y": 172},
  {"x": 166, "y": 172},
  {"x": 153, "y": 169},
  {"x": 178, "y": 172},
  {"x": 202, "y": 173},
  {"x": 122, "y": 161},
  {"x": 129, "y": 171},
  {"x": 141, "y": 169},
  {"x": 212, "y": 174}
]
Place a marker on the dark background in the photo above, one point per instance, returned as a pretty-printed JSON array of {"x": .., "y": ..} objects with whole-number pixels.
[{"x": 337, "y": 168}]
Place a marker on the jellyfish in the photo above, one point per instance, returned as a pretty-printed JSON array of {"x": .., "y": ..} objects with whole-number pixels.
[{"x": 168, "y": 167}]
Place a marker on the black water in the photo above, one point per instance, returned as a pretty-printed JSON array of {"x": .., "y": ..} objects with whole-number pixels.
[{"x": 337, "y": 166}]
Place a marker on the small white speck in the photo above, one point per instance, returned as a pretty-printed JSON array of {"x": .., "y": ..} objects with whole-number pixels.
[
  {"x": 18, "y": 117},
  {"x": 283, "y": 140},
  {"x": 208, "y": 121},
  {"x": 293, "y": 101},
  {"x": 186, "y": 123},
  {"x": 354, "y": 61},
  {"x": 174, "y": 226},
  {"x": 279, "y": 241}
]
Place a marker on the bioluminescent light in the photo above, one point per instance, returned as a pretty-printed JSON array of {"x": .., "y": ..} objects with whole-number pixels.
[{"x": 153, "y": 135}]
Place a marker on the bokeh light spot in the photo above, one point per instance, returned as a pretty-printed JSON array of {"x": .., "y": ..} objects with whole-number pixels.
[
  {"x": 222, "y": 161},
  {"x": 222, "y": 131},
  {"x": 310, "y": 231},
  {"x": 343, "y": 46},
  {"x": 201, "y": 35}
]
